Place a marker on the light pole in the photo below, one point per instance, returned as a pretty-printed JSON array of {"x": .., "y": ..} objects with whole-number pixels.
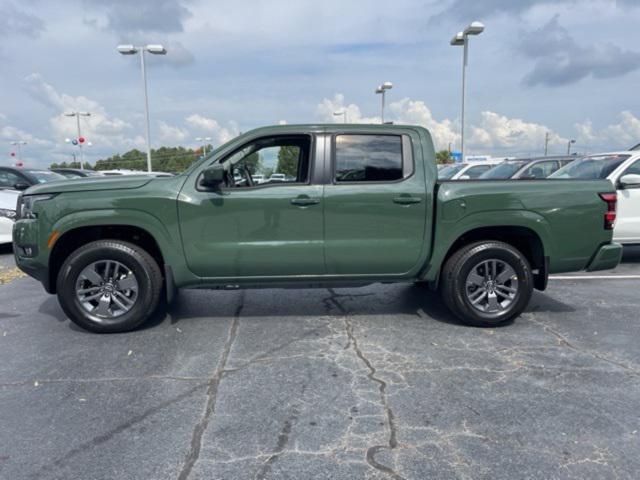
[
  {"x": 132, "y": 50},
  {"x": 18, "y": 144},
  {"x": 382, "y": 90},
  {"x": 204, "y": 144},
  {"x": 343, "y": 113},
  {"x": 569, "y": 143},
  {"x": 78, "y": 115},
  {"x": 546, "y": 143},
  {"x": 462, "y": 39}
]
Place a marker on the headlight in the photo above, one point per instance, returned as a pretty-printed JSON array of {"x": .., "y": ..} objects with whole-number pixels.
[
  {"x": 26, "y": 204},
  {"x": 6, "y": 213}
]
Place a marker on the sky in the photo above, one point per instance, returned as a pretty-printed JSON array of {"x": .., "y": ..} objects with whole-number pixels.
[{"x": 567, "y": 67}]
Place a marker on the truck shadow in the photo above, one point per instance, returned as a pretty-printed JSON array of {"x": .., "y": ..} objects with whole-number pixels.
[
  {"x": 388, "y": 300},
  {"x": 375, "y": 300}
]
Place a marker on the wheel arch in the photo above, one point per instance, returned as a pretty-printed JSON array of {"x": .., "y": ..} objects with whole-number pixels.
[
  {"x": 523, "y": 238},
  {"x": 74, "y": 238}
]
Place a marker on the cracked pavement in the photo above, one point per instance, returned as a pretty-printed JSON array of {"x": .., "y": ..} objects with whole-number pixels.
[{"x": 377, "y": 382}]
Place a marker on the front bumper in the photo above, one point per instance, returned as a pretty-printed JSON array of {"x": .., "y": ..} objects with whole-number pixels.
[
  {"x": 29, "y": 258},
  {"x": 607, "y": 257}
]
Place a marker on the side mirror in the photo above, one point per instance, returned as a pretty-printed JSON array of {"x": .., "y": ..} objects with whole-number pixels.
[
  {"x": 21, "y": 186},
  {"x": 212, "y": 176},
  {"x": 629, "y": 181}
]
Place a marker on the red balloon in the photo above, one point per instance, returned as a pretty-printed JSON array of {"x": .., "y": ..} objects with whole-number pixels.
[
  {"x": 13, "y": 154},
  {"x": 81, "y": 139}
]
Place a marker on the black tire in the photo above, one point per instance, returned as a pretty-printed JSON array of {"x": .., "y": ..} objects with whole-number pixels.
[
  {"x": 453, "y": 282},
  {"x": 138, "y": 261}
]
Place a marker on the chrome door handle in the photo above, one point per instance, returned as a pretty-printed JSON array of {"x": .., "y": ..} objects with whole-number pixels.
[
  {"x": 406, "y": 200},
  {"x": 304, "y": 201}
]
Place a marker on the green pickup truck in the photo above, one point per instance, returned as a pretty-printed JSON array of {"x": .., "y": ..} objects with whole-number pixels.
[{"x": 309, "y": 205}]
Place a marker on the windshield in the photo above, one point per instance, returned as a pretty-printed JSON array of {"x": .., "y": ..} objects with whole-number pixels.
[
  {"x": 503, "y": 171},
  {"x": 591, "y": 168},
  {"x": 44, "y": 176},
  {"x": 445, "y": 173}
]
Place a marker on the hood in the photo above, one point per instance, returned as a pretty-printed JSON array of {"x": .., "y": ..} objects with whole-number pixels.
[{"x": 89, "y": 184}]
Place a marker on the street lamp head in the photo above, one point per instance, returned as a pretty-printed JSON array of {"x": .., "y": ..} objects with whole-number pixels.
[
  {"x": 127, "y": 49},
  {"x": 387, "y": 86},
  {"x": 458, "y": 39},
  {"x": 156, "y": 49},
  {"x": 572, "y": 141},
  {"x": 337, "y": 114},
  {"x": 380, "y": 89},
  {"x": 475, "y": 28}
]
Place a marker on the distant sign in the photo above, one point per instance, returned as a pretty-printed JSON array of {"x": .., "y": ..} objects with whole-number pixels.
[{"x": 457, "y": 157}]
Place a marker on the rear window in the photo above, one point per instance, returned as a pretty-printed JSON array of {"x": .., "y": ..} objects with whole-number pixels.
[
  {"x": 503, "y": 171},
  {"x": 591, "y": 168},
  {"x": 368, "y": 158}
]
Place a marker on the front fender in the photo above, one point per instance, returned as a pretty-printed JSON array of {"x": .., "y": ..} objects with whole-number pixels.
[
  {"x": 169, "y": 244},
  {"x": 448, "y": 231}
]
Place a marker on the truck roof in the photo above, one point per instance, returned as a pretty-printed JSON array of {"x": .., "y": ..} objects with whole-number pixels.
[{"x": 331, "y": 127}]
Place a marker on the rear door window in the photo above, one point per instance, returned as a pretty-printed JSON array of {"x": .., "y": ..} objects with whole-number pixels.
[{"x": 368, "y": 158}]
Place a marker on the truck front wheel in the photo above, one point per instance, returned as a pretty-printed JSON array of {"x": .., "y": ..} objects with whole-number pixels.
[
  {"x": 487, "y": 283},
  {"x": 109, "y": 286}
]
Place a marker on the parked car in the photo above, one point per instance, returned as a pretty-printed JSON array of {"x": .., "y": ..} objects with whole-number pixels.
[
  {"x": 465, "y": 171},
  {"x": 23, "y": 178},
  {"x": 119, "y": 172},
  {"x": 365, "y": 207},
  {"x": 8, "y": 201},
  {"x": 77, "y": 172},
  {"x": 623, "y": 170},
  {"x": 528, "y": 168},
  {"x": 258, "y": 179},
  {"x": 278, "y": 177}
]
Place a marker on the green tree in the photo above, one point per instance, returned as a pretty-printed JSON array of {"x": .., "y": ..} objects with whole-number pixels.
[
  {"x": 288, "y": 160},
  {"x": 443, "y": 156}
]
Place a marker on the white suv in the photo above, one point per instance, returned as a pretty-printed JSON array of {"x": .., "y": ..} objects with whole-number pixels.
[
  {"x": 623, "y": 169},
  {"x": 8, "y": 202}
]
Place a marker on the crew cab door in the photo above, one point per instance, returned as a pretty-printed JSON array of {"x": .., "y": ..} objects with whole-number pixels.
[
  {"x": 627, "y": 228},
  {"x": 255, "y": 225},
  {"x": 375, "y": 204}
]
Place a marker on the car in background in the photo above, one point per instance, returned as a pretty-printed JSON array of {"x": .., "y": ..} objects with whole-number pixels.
[
  {"x": 623, "y": 170},
  {"x": 258, "y": 179},
  {"x": 23, "y": 178},
  {"x": 77, "y": 172},
  {"x": 278, "y": 177},
  {"x": 466, "y": 171},
  {"x": 8, "y": 202},
  {"x": 527, "y": 168}
]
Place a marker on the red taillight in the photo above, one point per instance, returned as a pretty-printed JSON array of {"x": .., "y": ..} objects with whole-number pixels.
[{"x": 610, "y": 216}]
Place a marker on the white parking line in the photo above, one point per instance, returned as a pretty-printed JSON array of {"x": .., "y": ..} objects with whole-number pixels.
[{"x": 595, "y": 277}]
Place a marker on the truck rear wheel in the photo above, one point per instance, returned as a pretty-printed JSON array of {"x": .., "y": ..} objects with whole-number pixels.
[
  {"x": 487, "y": 283},
  {"x": 109, "y": 286}
]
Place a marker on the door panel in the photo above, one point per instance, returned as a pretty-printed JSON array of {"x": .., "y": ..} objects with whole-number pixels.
[
  {"x": 375, "y": 227},
  {"x": 266, "y": 221},
  {"x": 253, "y": 232}
]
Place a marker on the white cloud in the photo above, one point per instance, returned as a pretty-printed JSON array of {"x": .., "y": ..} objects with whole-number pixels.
[
  {"x": 211, "y": 127},
  {"x": 617, "y": 136},
  {"x": 326, "y": 109},
  {"x": 172, "y": 135},
  {"x": 100, "y": 128},
  {"x": 495, "y": 134},
  {"x": 498, "y": 132}
]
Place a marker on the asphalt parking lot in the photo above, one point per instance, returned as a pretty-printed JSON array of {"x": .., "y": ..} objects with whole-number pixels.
[{"x": 375, "y": 382}]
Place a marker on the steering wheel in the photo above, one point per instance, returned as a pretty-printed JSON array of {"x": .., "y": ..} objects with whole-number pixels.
[{"x": 247, "y": 175}]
